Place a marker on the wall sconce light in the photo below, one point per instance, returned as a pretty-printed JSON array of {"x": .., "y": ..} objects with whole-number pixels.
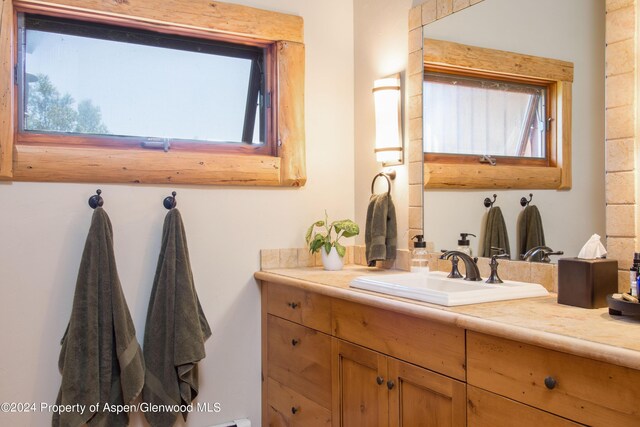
[{"x": 386, "y": 94}]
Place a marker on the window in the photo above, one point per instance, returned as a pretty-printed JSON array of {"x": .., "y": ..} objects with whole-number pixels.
[
  {"x": 174, "y": 92},
  {"x": 495, "y": 119},
  {"x": 475, "y": 116},
  {"x": 138, "y": 87}
]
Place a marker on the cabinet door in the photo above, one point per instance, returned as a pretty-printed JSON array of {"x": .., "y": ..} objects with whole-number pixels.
[
  {"x": 422, "y": 398},
  {"x": 360, "y": 394}
]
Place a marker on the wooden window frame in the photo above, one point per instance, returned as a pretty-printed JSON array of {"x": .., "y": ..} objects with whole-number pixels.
[
  {"x": 25, "y": 157},
  {"x": 446, "y": 171}
]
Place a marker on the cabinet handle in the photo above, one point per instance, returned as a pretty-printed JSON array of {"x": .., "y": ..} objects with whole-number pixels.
[
  {"x": 379, "y": 380},
  {"x": 293, "y": 305},
  {"x": 294, "y": 410},
  {"x": 295, "y": 342},
  {"x": 390, "y": 384},
  {"x": 550, "y": 382}
]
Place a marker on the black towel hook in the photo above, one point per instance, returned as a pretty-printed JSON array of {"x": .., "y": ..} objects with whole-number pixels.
[
  {"x": 524, "y": 202},
  {"x": 96, "y": 201},
  {"x": 389, "y": 176},
  {"x": 488, "y": 203},
  {"x": 169, "y": 202}
]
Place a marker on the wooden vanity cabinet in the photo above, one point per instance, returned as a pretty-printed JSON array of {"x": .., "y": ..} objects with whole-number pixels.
[
  {"x": 333, "y": 362},
  {"x": 374, "y": 368}
]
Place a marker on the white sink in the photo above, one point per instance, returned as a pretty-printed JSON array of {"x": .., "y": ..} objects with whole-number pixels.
[{"x": 437, "y": 288}]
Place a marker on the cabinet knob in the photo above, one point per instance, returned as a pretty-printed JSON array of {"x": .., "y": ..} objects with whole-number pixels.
[
  {"x": 550, "y": 382},
  {"x": 390, "y": 384},
  {"x": 295, "y": 410},
  {"x": 379, "y": 380},
  {"x": 293, "y": 305},
  {"x": 295, "y": 342}
]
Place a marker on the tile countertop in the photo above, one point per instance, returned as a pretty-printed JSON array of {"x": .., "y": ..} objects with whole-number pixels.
[{"x": 538, "y": 321}]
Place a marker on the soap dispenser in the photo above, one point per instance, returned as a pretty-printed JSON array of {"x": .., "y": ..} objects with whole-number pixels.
[
  {"x": 419, "y": 255},
  {"x": 463, "y": 243}
]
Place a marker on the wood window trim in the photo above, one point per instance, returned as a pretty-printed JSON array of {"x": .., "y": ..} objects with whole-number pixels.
[
  {"x": 282, "y": 35},
  {"x": 444, "y": 55}
]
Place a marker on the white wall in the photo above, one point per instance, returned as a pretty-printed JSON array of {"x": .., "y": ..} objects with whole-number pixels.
[
  {"x": 571, "y": 30},
  {"x": 43, "y": 228},
  {"x": 381, "y": 48}
]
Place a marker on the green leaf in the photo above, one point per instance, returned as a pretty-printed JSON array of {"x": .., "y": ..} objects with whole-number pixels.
[
  {"x": 348, "y": 227},
  {"x": 317, "y": 242},
  {"x": 341, "y": 249},
  {"x": 327, "y": 247},
  {"x": 307, "y": 236}
]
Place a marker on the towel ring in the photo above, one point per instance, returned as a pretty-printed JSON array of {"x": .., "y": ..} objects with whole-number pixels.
[
  {"x": 96, "y": 201},
  {"x": 170, "y": 202},
  {"x": 488, "y": 203},
  {"x": 524, "y": 202},
  {"x": 388, "y": 176}
]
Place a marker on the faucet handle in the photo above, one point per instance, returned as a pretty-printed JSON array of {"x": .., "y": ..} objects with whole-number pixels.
[
  {"x": 493, "y": 277},
  {"x": 502, "y": 255},
  {"x": 546, "y": 254},
  {"x": 455, "y": 272},
  {"x": 499, "y": 251}
]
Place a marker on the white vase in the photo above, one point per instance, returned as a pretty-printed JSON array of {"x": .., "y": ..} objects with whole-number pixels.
[{"x": 331, "y": 261}]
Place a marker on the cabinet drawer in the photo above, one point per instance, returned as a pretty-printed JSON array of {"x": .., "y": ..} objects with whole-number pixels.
[
  {"x": 486, "y": 409},
  {"x": 288, "y": 408},
  {"x": 587, "y": 391},
  {"x": 426, "y": 343},
  {"x": 300, "y": 358},
  {"x": 306, "y": 308}
]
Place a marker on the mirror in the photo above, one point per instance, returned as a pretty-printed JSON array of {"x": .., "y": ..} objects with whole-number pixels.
[{"x": 570, "y": 30}]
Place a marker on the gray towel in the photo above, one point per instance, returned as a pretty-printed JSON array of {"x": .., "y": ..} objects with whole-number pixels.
[
  {"x": 495, "y": 233},
  {"x": 176, "y": 328},
  {"x": 100, "y": 360},
  {"x": 530, "y": 231},
  {"x": 381, "y": 231}
]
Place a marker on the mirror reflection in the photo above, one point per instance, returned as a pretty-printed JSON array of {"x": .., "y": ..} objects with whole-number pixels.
[{"x": 559, "y": 220}]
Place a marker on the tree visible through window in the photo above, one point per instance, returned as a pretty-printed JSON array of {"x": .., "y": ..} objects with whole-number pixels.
[{"x": 48, "y": 110}]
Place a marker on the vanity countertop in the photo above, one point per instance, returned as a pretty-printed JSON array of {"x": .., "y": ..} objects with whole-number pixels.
[{"x": 538, "y": 321}]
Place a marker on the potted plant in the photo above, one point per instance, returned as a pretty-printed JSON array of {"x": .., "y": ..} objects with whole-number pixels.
[{"x": 332, "y": 251}]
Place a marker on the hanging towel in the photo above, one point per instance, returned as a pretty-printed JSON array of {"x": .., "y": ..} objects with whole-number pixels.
[
  {"x": 530, "y": 231},
  {"x": 100, "y": 361},
  {"x": 495, "y": 233},
  {"x": 381, "y": 231},
  {"x": 176, "y": 329}
]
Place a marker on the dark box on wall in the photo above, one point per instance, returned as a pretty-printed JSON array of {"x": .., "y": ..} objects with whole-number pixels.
[{"x": 586, "y": 282}]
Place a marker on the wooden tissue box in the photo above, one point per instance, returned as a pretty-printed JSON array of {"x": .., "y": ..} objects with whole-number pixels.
[{"x": 586, "y": 282}]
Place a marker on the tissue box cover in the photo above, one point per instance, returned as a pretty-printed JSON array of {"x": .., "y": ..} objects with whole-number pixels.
[{"x": 586, "y": 282}]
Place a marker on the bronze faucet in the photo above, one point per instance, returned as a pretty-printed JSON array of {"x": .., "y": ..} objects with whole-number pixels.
[
  {"x": 470, "y": 266},
  {"x": 545, "y": 251}
]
